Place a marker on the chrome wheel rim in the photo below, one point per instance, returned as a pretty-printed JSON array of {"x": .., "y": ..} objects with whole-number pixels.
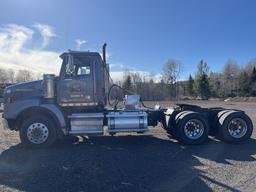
[
  {"x": 37, "y": 133},
  {"x": 194, "y": 129},
  {"x": 237, "y": 127}
]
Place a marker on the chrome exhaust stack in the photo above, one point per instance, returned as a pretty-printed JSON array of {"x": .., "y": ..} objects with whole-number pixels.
[{"x": 104, "y": 53}]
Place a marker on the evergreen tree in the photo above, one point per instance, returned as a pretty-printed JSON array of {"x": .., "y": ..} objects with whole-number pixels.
[
  {"x": 253, "y": 76},
  {"x": 201, "y": 85},
  {"x": 190, "y": 85},
  {"x": 253, "y": 82},
  {"x": 128, "y": 83},
  {"x": 205, "y": 86},
  {"x": 244, "y": 84}
]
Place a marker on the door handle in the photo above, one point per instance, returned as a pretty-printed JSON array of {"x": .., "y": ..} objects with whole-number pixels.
[{"x": 76, "y": 88}]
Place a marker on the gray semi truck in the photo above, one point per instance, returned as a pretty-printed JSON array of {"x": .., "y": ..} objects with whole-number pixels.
[{"x": 76, "y": 103}]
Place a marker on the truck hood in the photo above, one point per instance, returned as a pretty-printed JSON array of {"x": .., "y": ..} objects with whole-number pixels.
[
  {"x": 22, "y": 91},
  {"x": 26, "y": 85}
]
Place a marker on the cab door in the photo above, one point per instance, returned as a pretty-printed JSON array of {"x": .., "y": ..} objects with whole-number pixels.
[{"x": 76, "y": 86}]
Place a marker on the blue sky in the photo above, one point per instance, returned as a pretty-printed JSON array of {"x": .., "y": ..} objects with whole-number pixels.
[{"x": 141, "y": 34}]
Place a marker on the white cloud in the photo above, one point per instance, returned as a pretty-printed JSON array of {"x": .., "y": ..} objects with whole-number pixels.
[
  {"x": 79, "y": 43},
  {"x": 116, "y": 66},
  {"x": 15, "y": 55},
  {"x": 118, "y": 72},
  {"x": 118, "y": 76},
  {"x": 13, "y": 37},
  {"x": 121, "y": 67},
  {"x": 46, "y": 31}
]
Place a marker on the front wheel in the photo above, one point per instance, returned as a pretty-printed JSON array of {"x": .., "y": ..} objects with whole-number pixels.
[
  {"x": 38, "y": 132},
  {"x": 191, "y": 128}
]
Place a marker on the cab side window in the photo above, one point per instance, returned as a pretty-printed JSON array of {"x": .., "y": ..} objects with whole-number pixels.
[
  {"x": 77, "y": 66},
  {"x": 84, "y": 70},
  {"x": 70, "y": 67}
]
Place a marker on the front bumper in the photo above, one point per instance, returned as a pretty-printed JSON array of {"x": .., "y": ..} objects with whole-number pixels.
[
  {"x": 8, "y": 123},
  {"x": 4, "y": 123}
]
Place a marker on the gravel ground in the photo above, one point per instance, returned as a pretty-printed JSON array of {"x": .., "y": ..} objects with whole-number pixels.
[{"x": 130, "y": 162}]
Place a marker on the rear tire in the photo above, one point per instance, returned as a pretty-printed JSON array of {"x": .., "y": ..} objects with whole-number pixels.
[
  {"x": 215, "y": 125},
  {"x": 38, "y": 132},
  {"x": 191, "y": 128},
  {"x": 235, "y": 127},
  {"x": 172, "y": 127}
]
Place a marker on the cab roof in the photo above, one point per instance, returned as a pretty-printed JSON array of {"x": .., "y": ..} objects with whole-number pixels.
[{"x": 80, "y": 53}]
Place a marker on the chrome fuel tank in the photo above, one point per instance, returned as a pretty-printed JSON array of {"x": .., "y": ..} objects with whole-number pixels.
[{"x": 127, "y": 121}]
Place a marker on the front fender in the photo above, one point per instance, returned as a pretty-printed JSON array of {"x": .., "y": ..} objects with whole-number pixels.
[
  {"x": 14, "y": 110},
  {"x": 57, "y": 112}
]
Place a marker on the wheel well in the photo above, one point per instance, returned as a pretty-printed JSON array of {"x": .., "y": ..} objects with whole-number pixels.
[{"x": 36, "y": 111}]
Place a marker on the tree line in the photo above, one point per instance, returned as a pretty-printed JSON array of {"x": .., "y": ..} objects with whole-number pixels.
[
  {"x": 232, "y": 81},
  {"x": 10, "y": 76}
]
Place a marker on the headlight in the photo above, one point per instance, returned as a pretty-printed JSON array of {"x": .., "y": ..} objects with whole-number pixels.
[
  {"x": 7, "y": 96},
  {"x": 8, "y": 91},
  {"x": 10, "y": 99}
]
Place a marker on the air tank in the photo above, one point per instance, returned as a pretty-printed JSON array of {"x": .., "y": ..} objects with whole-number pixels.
[{"x": 49, "y": 86}]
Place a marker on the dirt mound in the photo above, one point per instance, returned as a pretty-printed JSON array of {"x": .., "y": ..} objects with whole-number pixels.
[{"x": 241, "y": 99}]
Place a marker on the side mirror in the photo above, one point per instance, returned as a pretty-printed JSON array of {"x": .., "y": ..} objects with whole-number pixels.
[{"x": 70, "y": 67}]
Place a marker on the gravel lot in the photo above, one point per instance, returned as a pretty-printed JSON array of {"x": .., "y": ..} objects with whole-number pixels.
[{"x": 130, "y": 162}]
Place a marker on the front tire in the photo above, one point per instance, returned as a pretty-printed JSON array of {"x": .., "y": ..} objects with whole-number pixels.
[{"x": 38, "y": 132}]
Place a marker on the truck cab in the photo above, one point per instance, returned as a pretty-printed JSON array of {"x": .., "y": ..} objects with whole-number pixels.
[
  {"x": 83, "y": 80},
  {"x": 55, "y": 101}
]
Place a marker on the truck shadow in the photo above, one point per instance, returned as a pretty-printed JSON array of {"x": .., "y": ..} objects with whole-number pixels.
[{"x": 121, "y": 163}]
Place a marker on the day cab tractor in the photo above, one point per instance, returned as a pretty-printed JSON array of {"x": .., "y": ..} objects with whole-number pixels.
[{"x": 77, "y": 103}]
